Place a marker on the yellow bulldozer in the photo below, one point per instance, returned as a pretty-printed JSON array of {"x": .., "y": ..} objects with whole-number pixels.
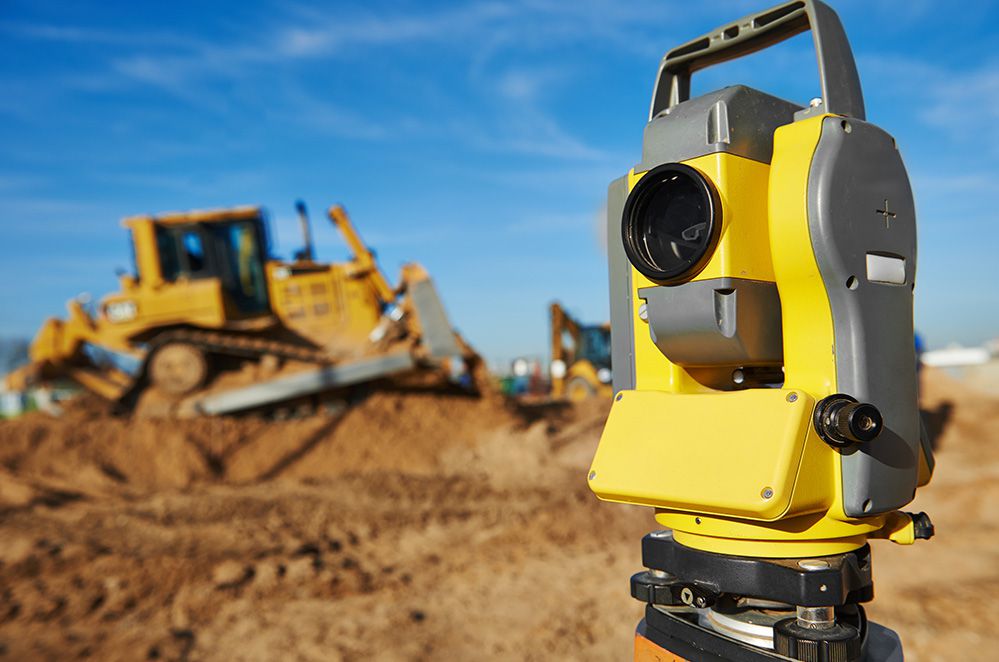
[
  {"x": 210, "y": 324},
  {"x": 581, "y": 357}
]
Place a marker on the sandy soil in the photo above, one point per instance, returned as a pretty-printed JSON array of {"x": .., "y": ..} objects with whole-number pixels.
[{"x": 412, "y": 527}]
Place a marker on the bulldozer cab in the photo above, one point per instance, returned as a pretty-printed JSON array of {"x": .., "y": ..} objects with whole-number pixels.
[
  {"x": 593, "y": 345},
  {"x": 229, "y": 247}
]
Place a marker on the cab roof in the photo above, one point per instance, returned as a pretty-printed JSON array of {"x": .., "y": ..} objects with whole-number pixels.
[{"x": 198, "y": 216}]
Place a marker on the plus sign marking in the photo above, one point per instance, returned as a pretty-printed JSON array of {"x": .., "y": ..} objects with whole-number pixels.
[{"x": 889, "y": 215}]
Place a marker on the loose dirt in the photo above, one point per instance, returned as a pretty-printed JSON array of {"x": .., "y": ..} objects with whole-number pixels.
[{"x": 413, "y": 526}]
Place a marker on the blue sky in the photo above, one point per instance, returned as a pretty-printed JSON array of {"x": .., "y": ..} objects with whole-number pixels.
[{"x": 477, "y": 138}]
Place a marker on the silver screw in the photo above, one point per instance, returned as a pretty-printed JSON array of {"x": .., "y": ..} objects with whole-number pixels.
[
  {"x": 593, "y": 474},
  {"x": 813, "y": 564},
  {"x": 792, "y": 397},
  {"x": 816, "y": 618},
  {"x": 767, "y": 493}
]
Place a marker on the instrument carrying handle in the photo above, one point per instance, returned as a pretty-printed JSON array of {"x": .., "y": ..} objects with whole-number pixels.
[{"x": 841, "y": 93}]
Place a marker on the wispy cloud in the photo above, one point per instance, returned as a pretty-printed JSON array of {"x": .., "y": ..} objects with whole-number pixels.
[
  {"x": 75, "y": 34},
  {"x": 554, "y": 225},
  {"x": 191, "y": 68},
  {"x": 963, "y": 103},
  {"x": 549, "y": 224},
  {"x": 315, "y": 113},
  {"x": 18, "y": 182},
  {"x": 966, "y": 102},
  {"x": 330, "y": 34}
]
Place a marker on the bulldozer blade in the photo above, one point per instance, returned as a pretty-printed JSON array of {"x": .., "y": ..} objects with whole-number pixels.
[
  {"x": 304, "y": 383},
  {"x": 436, "y": 331}
]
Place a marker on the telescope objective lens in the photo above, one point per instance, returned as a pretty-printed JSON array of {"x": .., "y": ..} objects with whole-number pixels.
[{"x": 671, "y": 223}]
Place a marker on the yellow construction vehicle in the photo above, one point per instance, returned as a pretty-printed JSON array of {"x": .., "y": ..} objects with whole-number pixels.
[
  {"x": 580, "y": 367},
  {"x": 214, "y": 325}
]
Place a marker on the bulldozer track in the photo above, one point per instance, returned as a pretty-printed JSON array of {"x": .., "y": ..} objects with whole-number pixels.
[
  {"x": 234, "y": 344},
  {"x": 220, "y": 343}
]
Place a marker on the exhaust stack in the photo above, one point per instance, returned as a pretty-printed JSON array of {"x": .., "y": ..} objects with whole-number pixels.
[{"x": 306, "y": 254}]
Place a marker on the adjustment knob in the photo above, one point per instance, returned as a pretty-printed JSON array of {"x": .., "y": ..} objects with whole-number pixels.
[
  {"x": 838, "y": 643},
  {"x": 842, "y": 421},
  {"x": 922, "y": 527}
]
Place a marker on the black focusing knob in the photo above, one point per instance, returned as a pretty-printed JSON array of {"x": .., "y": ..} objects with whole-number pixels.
[
  {"x": 838, "y": 643},
  {"x": 922, "y": 527},
  {"x": 842, "y": 421}
]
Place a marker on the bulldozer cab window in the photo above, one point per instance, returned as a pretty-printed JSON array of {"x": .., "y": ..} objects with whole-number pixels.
[
  {"x": 194, "y": 252},
  {"x": 242, "y": 264},
  {"x": 182, "y": 253}
]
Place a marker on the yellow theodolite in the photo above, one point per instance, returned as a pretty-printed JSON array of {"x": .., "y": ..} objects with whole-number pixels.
[{"x": 762, "y": 261}]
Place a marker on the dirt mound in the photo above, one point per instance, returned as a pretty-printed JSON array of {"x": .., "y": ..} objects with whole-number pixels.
[
  {"x": 411, "y": 528},
  {"x": 88, "y": 451},
  {"x": 430, "y": 544},
  {"x": 927, "y": 591}
]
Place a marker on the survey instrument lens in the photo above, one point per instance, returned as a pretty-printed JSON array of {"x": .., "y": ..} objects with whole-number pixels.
[{"x": 671, "y": 223}]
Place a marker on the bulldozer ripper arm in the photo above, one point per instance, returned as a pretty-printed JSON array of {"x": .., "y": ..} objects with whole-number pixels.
[
  {"x": 60, "y": 340},
  {"x": 57, "y": 351},
  {"x": 561, "y": 322},
  {"x": 364, "y": 258}
]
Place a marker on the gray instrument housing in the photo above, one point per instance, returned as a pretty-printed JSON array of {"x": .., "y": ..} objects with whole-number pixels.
[
  {"x": 719, "y": 321},
  {"x": 855, "y": 172}
]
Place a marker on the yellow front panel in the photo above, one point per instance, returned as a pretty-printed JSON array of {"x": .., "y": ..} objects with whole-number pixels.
[{"x": 676, "y": 451}]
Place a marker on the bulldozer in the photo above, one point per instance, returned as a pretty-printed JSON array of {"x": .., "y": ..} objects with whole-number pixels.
[
  {"x": 580, "y": 367},
  {"x": 208, "y": 323}
]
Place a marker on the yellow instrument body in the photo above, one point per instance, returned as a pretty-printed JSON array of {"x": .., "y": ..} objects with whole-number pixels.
[{"x": 744, "y": 472}]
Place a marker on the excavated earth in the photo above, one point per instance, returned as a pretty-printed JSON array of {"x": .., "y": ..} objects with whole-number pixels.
[{"x": 413, "y": 526}]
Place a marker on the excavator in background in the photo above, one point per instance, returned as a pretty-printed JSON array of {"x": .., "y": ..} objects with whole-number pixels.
[
  {"x": 210, "y": 324},
  {"x": 580, "y": 367}
]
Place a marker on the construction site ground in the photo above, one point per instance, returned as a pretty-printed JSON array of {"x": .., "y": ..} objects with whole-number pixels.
[{"x": 415, "y": 526}]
